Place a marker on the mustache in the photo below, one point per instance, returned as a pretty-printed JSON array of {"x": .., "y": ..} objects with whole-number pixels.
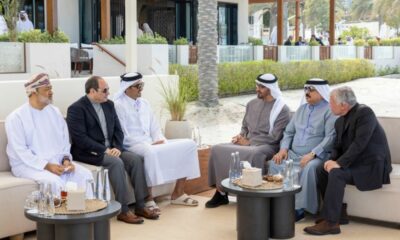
[{"x": 308, "y": 95}]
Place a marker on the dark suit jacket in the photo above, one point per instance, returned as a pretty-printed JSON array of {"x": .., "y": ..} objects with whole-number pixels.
[
  {"x": 88, "y": 141},
  {"x": 362, "y": 147}
]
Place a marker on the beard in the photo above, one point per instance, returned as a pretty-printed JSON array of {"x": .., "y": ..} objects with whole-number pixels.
[{"x": 45, "y": 100}]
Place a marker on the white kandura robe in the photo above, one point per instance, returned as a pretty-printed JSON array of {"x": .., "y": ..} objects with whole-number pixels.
[
  {"x": 37, "y": 137},
  {"x": 163, "y": 163}
]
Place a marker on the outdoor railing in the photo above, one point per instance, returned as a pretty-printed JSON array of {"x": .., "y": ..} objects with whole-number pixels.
[
  {"x": 172, "y": 54},
  {"x": 383, "y": 52},
  {"x": 235, "y": 53},
  {"x": 343, "y": 52},
  {"x": 298, "y": 53}
]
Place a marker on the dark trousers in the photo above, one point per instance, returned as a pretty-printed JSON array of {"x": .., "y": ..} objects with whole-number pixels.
[
  {"x": 134, "y": 166},
  {"x": 331, "y": 186}
]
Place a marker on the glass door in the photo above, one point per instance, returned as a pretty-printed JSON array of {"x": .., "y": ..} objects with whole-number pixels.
[
  {"x": 227, "y": 24},
  {"x": 89, "y": 21},
  {"x": 35, "y": 11}
]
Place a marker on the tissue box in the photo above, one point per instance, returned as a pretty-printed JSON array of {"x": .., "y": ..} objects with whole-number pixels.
[
  {"x": 76, "y": 200},
  {"x": 252, "y": 177}
]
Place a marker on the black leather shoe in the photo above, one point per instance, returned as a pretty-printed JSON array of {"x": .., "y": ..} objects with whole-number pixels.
[{"x": 217, "y": 200}]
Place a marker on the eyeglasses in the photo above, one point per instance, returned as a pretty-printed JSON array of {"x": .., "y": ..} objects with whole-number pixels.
[
  {"x": 104, "y": 90},
  {"x": 139, "y": 86},
  {"x": 309, "y": 89}
]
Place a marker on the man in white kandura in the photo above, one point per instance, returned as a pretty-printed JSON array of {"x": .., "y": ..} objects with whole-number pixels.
[
  {"x": 165, "y": 161},
  {"x": 38, "y": 141}
]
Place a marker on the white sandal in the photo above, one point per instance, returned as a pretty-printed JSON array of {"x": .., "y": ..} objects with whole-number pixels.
[
  {"x": 152, "y": 206},
  {"x": 185, "y": 200}
]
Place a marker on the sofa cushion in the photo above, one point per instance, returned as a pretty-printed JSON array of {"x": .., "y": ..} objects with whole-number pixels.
[
  {"x": 13, "y": 192},
  {"x": 4, "y": 163}
]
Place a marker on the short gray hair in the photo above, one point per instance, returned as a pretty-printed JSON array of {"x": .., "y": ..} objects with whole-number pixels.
[{"x": 345, "y": 95}]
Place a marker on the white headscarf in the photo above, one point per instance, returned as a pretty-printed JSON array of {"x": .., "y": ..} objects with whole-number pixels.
[
  {"x": 26, "y": 25},
  {"x": 127, "y": 80},
  {"x": 322, "y": 86},
  {"x": 270, "y": 81}
]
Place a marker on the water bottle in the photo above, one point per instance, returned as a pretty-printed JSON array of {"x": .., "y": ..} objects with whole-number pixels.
[
  {"x": 107, "y": 191},
  {"x": 42, "y": 205},
  {"x": 238, "y": 166},
  {"x": 288, "y": 178},
  {"x": 198, "y": 137},
  {"x": 99, "y": 186},
  {"x": 232, "y": 170},
  {"x": 50, "y": 208},
  {"x": 90, "y": 189}
]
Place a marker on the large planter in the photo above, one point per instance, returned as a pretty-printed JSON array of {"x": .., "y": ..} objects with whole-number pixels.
[
  {"x": 258, "y": 53},
  {"x": 178, "y": 129},
  {"x": 12, "y": 58},
  {"x": 315, "y": 53},
  {"x": 52, "y": 58},
  {"x": 360, "y": 52},
  {"x": 153, "y": 58},
  {"x": 182, "y": 54}
]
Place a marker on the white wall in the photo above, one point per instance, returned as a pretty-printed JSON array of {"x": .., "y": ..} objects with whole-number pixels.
[
  {"x": 68, "y": 90},
  {"x": 68, "y": 18},
  {"x": 243, "y": 22}
]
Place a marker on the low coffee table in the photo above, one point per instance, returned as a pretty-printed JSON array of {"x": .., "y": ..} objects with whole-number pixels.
[
  {"x": 262, "y": 214},
  {"x": 90, "y": 226}
]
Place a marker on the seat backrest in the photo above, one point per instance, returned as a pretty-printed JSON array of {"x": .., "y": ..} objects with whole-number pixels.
[
  {"x": 4, "y": 162},
  {"x": 391, "y": 127}
]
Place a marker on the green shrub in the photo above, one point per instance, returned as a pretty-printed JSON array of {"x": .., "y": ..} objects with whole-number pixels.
[
  {"x": 181, "y": 41},
  {"x": 4, "y": 38},
  {"x": 359, "y": 42},
  {"x": 239, "y": 78},
  {"x": 36, "y": 36},
  {"x": 355, "y": 32},
  {"x": 148, "y": 39},
  {"x": 255, "y": 41},
  {"x": 114, "y": 40},
  {"x": 387, "y": 71},
  {"x": 313, "y": 43},
  {"x": 372, "y": 42},
  {"x": 396, "y": 41},
  {"x": 386, "y": 42}
]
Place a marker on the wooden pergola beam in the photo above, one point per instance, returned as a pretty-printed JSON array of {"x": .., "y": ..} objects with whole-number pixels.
[
  {"x": 51, "y": 15},
  {"x": 332, "y": 22},
  {"x": 105, "y": 19},
  {"x": 280, "y": 22}
]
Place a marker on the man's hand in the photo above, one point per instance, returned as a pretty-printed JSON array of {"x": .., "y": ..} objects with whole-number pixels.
[
  {"x": 280, "y": 156},
  {"x": 243, "y": 141},
  {"x": 330, "y": 164},
  {"x": 113, "y": 152},
  {"x": 235, "y": 139},
  {"x": 305, "y": 159},
  {"x": 158, "y": 142},
  {"x": 68, "y": 166},
  {"x": 54, "y": 168}
]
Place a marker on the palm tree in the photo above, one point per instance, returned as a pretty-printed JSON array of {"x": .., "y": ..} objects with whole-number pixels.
[
  {"x": 362, "y": 9},
  {"x": 10, "y": 8},
  {"x": 207, "y": 40}
]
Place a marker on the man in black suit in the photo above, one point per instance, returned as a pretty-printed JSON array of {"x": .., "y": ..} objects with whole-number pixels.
[
  {"x": 97, "y": 139},
  {"x": 360, "y": 157}
]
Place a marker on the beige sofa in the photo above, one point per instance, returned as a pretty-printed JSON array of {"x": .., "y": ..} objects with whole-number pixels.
[
  {"x": 381, "y": 204},
  {"x": 13, "y": 192}
]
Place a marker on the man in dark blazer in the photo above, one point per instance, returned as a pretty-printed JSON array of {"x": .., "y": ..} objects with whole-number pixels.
[
  {"x": 360, "y": 157},
  {"x": 97, "y": 139}
]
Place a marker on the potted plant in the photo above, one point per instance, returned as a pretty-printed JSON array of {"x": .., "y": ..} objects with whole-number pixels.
[
  {"x": 175, "y": 96},
  {"x": 153, "y": 52},
  {"x": 182, "y": 51}
]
